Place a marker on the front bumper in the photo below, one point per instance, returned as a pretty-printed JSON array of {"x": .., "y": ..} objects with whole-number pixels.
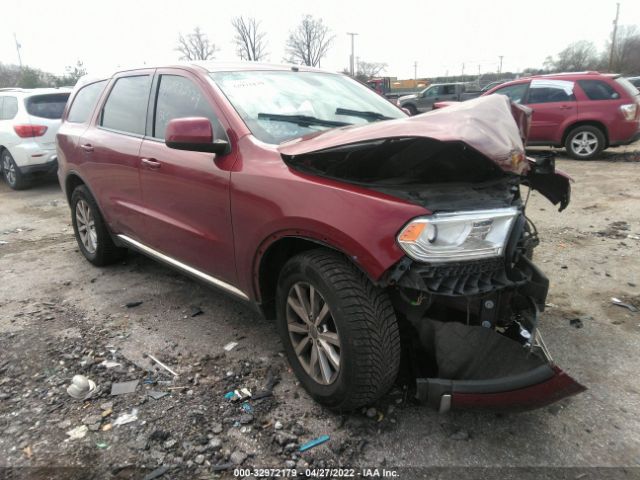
[{"x": 538, "y": 387}]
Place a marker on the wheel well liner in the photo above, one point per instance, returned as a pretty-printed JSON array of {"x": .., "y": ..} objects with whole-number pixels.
[
  {"x": 70, "y": 184},
  {"x": 272, "y": 261},
  {"x": 592, "y": 123}
]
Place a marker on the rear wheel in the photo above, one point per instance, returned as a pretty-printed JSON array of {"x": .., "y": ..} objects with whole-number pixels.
[
  {"x": 91, "y": 232},
  {"x": 11, "y": 173},
  {"x": 339, "y": 330},
  {"x": 585, "y": 142}
]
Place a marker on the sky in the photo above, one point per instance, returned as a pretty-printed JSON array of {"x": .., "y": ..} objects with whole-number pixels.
[{"x": 439, "y": 36}]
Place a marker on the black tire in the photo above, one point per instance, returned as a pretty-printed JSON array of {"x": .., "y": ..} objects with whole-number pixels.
[
  {"x": 412, "y": 109},
  {"x": 11, "y": 172},
  {"x": 589, "y": 134},
  {"x": 365, "y": 322},
  {"x": 106, "y": 252}
]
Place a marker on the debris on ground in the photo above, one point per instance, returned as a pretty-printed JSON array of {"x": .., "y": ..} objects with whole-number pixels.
[
  {"x": 162, "y": 365},
  {"x": 157, "y": 395},
  {"x": 230, "y": 346},
  {"x": 78, "y": 432},
  {"x": 121, "y": 388},
  {"x": 81, "y": 387},
  {"x": 313, "y": 443},
  {"x": 195, "y": 311},
  {"x": 620, "y": 303},
  {"x": 576, "y": 323},
  {"x": 126, "y": 418}
]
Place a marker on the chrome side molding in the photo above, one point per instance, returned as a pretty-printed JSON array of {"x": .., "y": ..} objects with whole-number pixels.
[{"x": 181, "y": 266}]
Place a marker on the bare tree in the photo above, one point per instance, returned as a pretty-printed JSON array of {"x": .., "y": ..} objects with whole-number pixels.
[
  {"x": 369, "y": 70},
  {"x": 309, "y": 42},
  {"x": 249, "y": 40},
  {"x": 577, "y": 56},
  {"x": 196, "y": 46},
  {"x": 626, "y": 52}
]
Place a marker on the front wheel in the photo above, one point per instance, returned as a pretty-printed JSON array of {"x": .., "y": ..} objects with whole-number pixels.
[
  {"x": 339, "y": 331},
  {"x": 585, "y": 142},
  {"x": 411, "y": 108}
]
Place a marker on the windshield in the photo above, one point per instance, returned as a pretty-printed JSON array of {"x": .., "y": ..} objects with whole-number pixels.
[{"x": 281, "y": 105}]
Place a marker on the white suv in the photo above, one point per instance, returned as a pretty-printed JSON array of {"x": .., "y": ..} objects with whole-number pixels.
[{"x": 29, "y": 121}]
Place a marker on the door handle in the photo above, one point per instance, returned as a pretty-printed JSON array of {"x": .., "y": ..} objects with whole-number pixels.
[
  {"x": 87, "y": 147},
  {"x": 565, "y": 107},
  {"x": 152, "y": 163}
]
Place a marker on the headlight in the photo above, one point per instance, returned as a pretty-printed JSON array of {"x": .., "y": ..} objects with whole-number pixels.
[{"x": 446, "y": 237}]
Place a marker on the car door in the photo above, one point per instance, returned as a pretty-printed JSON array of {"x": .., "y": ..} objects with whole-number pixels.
[
  {"x": 428, "y": 98},
  {"x": 186, "y": 195},
  {"x": 111, "y": 148},
  {"x": 449, "y": 92},
  {"x": 553, "y": 105}
]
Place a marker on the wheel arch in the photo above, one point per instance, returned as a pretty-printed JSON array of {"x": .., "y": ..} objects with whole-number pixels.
[
  {"x": 593, "y": 123},
  {"x": 273, "y": 255},
  {"x": 72, "y": 182}
]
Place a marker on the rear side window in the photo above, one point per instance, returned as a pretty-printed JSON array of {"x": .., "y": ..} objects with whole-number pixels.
[
  {"x": 46, "y": 106},
  {"x": 179, "y": 97},
  {"x": 598, "y": 90},
  {"x": 628, "y": 86},
  {"x": 9, "y": 108},
  {"x": 126, "y": 108},
  {"x": 515, "y": 92},
  {"x": 549, "y": 91},
  {"x": 84, "y": 102}
]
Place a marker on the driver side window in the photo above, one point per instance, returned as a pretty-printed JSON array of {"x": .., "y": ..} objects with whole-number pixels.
[
  {"x": 179, "y": 97},
  {"x": 433, "y": 91}
]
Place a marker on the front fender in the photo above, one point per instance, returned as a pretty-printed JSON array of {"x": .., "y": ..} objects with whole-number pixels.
[{"x": 554, "y": 185}]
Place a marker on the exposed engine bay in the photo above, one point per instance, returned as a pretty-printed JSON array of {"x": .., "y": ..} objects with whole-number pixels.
[{"x": 469, "y": 306}]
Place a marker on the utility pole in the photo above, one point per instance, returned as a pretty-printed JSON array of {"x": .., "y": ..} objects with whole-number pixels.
[
  {"x": 478, "y": 76},
  {"x": 415, "y": 70},
  {"x": 500, "y": 68},
  {"x": 352, "y": 58},
  {"x": 18, "y": 47},
  {"x": 613, "y": 36},
  {"x": 462, "y": 75}
]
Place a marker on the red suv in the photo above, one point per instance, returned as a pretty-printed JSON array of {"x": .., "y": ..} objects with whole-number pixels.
[
  {"x": 366, "y": 234},
  {"x": 584, "y": 112}
]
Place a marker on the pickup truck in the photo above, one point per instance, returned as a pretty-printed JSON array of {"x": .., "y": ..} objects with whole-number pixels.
[{"x": 423, "y": 101}]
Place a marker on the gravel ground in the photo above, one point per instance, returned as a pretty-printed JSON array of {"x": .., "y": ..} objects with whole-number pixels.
[{"x": 59, "y": 317}]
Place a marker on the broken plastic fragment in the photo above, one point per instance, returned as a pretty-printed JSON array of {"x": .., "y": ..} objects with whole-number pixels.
[
  {"x": 230, "y": 346},
  {"x": 314, "y": 443},
  {"x": 78, "y": 432},
  {"x": 126, "y": 418}
]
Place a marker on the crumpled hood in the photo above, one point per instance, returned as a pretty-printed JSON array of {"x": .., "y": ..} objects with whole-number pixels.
[{"x": 491, "y": 125}]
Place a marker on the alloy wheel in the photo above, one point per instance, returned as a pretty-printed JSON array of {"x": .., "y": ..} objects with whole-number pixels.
[
  {"x": 584, "y": 143},
  {"x": 86, "y": 226},
  {"x": 313, "y": 333},
  {"x": 9, "y": 169}
]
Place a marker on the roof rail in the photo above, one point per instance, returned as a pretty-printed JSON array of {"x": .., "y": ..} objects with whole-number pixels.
[{"x": 12, "y": 89}]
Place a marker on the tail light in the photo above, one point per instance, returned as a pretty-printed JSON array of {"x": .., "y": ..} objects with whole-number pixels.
[
  {"x": 629, "y": 111},
  {"x": 27, "y": 131}
]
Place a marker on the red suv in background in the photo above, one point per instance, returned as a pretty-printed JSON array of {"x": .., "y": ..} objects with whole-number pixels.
[{"x": 584, "y": 112}]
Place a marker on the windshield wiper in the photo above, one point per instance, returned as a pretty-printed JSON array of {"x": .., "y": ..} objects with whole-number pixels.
[
  {"x": 362, "y": 113},
  {"x": 302, "y": 120}
]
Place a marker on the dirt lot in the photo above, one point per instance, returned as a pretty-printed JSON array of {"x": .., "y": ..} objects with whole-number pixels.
[{"x": 59, "y": 316}]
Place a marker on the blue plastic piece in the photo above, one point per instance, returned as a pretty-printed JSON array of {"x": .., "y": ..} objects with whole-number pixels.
[{"x": 314, "y": 443}]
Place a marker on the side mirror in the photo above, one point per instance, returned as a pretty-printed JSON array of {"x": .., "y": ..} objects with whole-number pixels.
[{"x": 194, "y": 134}]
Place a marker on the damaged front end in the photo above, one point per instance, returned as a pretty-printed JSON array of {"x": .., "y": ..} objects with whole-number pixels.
[{"x": 467, "y": 289}]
